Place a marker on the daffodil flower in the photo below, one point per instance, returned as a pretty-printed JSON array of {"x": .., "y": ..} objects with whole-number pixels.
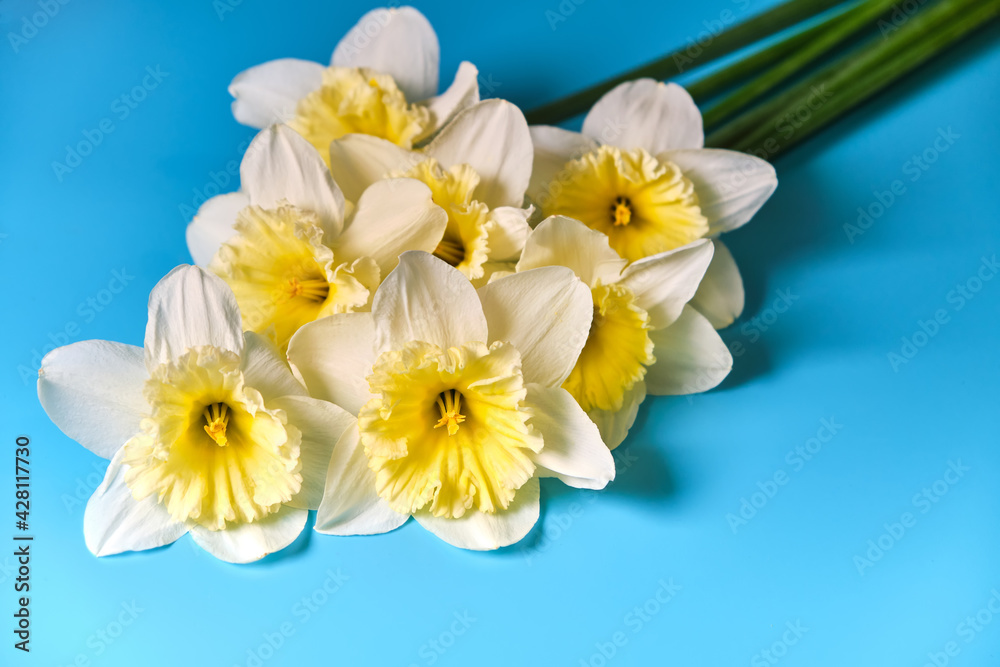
[
  {"x": 293, "y": 250},
  {"x": 639, "y": 173},
  {"x": 477, "y": 168},
  {"x": 206, "y": 428},
  {"x": 459, "y": 402},
  {"x": 382, "y": 81},
  {"x": 645, "y": 338}
]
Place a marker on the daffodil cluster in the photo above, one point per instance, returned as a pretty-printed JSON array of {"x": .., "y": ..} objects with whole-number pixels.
[{"x": 415, "y": 305}]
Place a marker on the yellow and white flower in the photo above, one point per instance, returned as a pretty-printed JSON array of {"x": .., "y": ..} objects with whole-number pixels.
[
  {"x": 645, "y": 338},
  {"x": 459, "y": 399},
  {"x": 382, "y": 81},
  {"x": 477, "y": 168},
  {"x": 293, "y": 250},
  {"x": 639, "y": 173},
  {"x": 206, "y": 428}
]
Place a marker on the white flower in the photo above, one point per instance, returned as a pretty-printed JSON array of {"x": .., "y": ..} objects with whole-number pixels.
[
  {"x": 477, "y": 168},
  {"x": 639, "y": 172},
  {"x": 207, "y": 430},
  {"x": 459, "y": 402},
  {"x": 290, "y": 247},
  {"x": 382, "y": 80},
  {"x": 644, "y": 337}
]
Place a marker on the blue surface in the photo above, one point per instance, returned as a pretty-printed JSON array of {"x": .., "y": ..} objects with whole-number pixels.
[{"x": 590, "y": 574}]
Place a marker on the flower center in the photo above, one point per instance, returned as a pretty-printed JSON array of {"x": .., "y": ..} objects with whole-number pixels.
[
  {"x": 447, "y": 430},
  {"x": 450, "y": 404},
  {"x": 653, "y": 205},
  {"x": 621, "y": 211},
  {"x": 616, "y": 353},
  {"x": 465, "y": 243},
  {"x": 284, "y": 276},
  {"x": 451, "y": 250},
  {"x": 315, "y": 289},
  {"x": 358, "y": 101},
  {"x": 210, "y": 451},
  {"x": 216, "y": 420}
]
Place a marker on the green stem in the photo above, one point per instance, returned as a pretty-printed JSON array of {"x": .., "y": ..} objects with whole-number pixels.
[
  {"x": 860, "y": 75},
  {"x": 723, "y": 79},
  {"x": 756, "y": 117},
  {"x": 737, "y": 37},
  {"x": 837, "y": 30}
]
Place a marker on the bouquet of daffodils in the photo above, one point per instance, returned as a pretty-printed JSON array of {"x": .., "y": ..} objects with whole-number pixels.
[{"x": 416, "y": 305}]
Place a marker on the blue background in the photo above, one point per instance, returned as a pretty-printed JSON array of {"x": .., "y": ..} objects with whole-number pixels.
[{"x": 574, "y": 585}]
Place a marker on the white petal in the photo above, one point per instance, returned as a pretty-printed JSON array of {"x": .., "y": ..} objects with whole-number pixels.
[
  {"x": 350, "y": 504},
  {"x": 321, "y": 425},
  {"x": 399, "y": 42},
  {"x": 247, "y": 542},
  {"x": 191, "y": 307},
  {"x": 266, "y": 370},
  {"x": 270, "y": 92},
  {"x": 720, "y": 295},
  {"x": 92, "y": 390},
  {"x": 554, "y": 147},
  {"x": 560, "y": 241},
  {"x": 690, "y": 357},
  {"x": 483, "y": 532},
  {"x": 425, "y": 299},
  {"x": 646, "y": 114},
  {"x": 493, "y": 138},
  {"x": 614, "y": 425},
  {"x": 508, "y": 229},
  {"x": 546, "y": 314},
  {"x": 392, "y": 216},
  {"x": 731, "y": 186},
  {"x": 664, "y": 282},
  {"x": 212, "y": 225},
  {"x": 333, "y": 356},
  {"x": 280, "y": 165},
  {"x": 114, "y": 521},
  {"x": 463, "y": 92},
  {"x": 358, "y": 160},
  {"x": 573, "y": 449}
]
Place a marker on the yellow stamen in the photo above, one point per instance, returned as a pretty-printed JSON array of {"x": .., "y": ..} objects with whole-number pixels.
[
  {"x": 216, "y": 420},
  {"x": 247, "y": 466},
  {"x": 313, "y": 290},
  {"x": 621, "y": 211},
  {"x": 485, "y": 453},
  {"x": 284, "y": 276},
  {"x": 653, "y": 204},
  {"x": 450, "y": 404}
]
